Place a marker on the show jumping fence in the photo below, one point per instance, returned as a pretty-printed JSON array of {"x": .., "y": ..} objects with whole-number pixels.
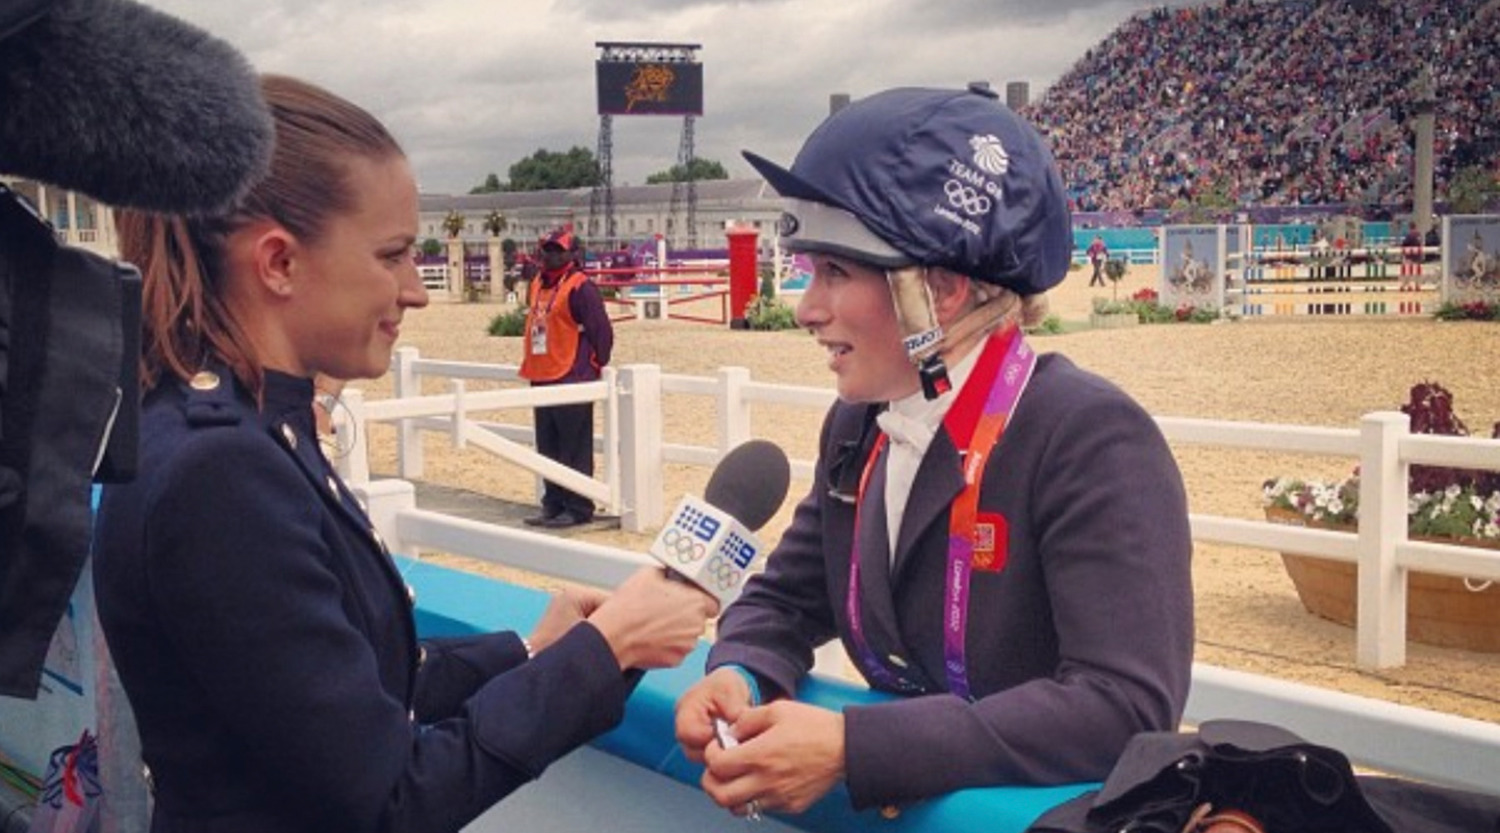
[
  {"x": 651, "y": 292},
  {"x": 1398, "y": 739},
  {"x": 1242, "y": 269},
  {"x": 1390, "y": 280}
]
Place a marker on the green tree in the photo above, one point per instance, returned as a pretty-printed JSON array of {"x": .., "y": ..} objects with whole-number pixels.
[
  {"x": 1472, "y": 189},
  {"x": 491, "y": 185},
  {"x": 546, "y": 170},
  {"x": 432, "y": 247},
  {"x": 700, "y": 169}
]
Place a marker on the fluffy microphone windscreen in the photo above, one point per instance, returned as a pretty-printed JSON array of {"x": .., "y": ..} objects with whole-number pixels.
[
  {"x": 750, "y": 482},
  {"x": 132, "y": 107}
]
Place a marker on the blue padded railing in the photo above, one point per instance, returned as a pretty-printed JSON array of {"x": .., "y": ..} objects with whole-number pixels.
[{"x": 452, "y": 602}]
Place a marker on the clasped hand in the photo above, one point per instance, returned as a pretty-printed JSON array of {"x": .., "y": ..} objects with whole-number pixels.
[
  {"x": 789, "y": 755},
  {"x": 648, "y": 621}
]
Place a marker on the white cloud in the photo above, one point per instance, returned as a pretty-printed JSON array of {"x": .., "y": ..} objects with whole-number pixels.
[{"x": 473, "y": 87}]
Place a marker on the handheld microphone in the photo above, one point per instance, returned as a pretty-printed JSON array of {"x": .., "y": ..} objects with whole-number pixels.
[
  {"x": 128, "y": 105},
  {"x": 710, "y": 542}
]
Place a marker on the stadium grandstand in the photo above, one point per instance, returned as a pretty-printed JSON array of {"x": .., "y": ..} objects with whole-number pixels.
[
  {"x": 1290, "y": 103},
  {"x": 1269, "y": 111}
]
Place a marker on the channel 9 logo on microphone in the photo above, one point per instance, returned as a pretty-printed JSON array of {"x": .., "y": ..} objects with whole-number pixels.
[
  {"x": 708, "y": 547},
  {"x": 689, "y": 535},
  {"x": 731, "y": 559}
]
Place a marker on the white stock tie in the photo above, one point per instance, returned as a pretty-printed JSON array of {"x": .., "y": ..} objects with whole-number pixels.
[
  {"x": 911, "y": 424},
  {"x": 909, "y": 439}
]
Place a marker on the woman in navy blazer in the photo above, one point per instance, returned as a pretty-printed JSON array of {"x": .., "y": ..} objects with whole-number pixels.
[
  {"x": 262, "y": 631},
  {"x": 999, "y": 537}
]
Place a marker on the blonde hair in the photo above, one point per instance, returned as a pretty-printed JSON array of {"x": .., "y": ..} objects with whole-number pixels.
[
  {"x": 186, "y": 322},
  {"x": 1027, "y": 310},
  {"x": 991, "y": 307}
]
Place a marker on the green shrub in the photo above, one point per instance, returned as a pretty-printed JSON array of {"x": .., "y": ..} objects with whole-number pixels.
[
  {"x": 1150, "y": 312},
  {"x": 508, "y": 323},
  {"x": 1196, "y": 315},
  {"x": 1108, "y": 306},
  {"x": 1052, "y": 325},
  {"x": 1148, "y": 309},
  {"x": 1468, "y": 311},
  {"x": 766, "y": 313}
]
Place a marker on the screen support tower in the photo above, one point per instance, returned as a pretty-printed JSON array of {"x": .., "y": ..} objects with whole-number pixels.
[
  {"x": 647, "y": 79},
  {"x": 688, "y": 185},
  {"x": 602, "y": 198}
]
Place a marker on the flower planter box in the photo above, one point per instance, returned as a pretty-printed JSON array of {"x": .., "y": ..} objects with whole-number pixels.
[
  {"x": 1440, "y": 610},
  {"x": 1110, "y": 320}
]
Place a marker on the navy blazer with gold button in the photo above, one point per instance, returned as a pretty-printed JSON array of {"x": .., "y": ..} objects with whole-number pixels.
[
  {"x": 265, "y": 640},
  {"x": 1082, "y": 638}
]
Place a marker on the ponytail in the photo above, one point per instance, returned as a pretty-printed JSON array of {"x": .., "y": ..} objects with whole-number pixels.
[{"x": 184, "y": 320}]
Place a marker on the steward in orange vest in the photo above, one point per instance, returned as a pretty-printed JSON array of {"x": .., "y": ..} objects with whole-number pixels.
[
  {"x": 568, "y": 334},
  {"x": 568, "y": 339}
]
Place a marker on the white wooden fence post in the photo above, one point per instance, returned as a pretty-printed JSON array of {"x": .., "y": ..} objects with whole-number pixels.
[
  {"x": 460, "y": 415},
  {"x": 641, "y": 486},
  {"x": 1380, "y": 623},
  {"x": 383, "y": 500},
  {"x": 610, "y": 448},
  {"x": 353, "y": 467},
  {"x": 734, "y": 410},
  {"x": 408, "y": 438}
]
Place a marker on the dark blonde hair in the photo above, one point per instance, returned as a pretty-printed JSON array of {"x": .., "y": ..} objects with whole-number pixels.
[{"x": 186, "y": 322}]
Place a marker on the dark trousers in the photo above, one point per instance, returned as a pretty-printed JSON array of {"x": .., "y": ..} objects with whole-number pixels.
[
  {"x": 565, "y": 433},
  {"x": 1098, "y": 277}
]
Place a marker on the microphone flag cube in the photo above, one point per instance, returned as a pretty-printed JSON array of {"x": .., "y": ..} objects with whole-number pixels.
[{"x": 708, "y": 547}]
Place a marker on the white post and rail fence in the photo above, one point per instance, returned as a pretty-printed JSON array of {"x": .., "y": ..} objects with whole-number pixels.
[
  {"x": 1453, "y": 749},
  {"x": 633, "y": 452}
]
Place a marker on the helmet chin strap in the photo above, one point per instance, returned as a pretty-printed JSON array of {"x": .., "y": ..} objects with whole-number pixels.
[
  {"x": 921, "y": 334},
  {"x": 925, "y": 339}
]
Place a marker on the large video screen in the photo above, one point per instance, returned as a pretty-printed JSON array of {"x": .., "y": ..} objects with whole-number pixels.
[{"x": 627, "y": 88}]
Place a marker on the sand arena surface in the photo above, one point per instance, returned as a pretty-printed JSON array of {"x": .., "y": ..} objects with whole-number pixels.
[{"x": 1325, "y": 372}]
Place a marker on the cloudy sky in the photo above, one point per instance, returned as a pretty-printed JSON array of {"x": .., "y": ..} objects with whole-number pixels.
[{"x": 472, "y": 86}]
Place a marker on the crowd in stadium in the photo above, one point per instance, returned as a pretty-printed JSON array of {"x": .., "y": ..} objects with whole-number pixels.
[{"x": 1298, "y": 102}]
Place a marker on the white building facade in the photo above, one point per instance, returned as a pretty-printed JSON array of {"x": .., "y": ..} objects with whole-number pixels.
[
  {"x": 78, "y": 219},
  {"x": 642, "y": 213}
]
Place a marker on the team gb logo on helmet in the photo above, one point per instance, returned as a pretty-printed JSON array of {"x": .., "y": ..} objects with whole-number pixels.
[
  {"x": 970, "y": 191},
  {"x": 990, "y": 155}
]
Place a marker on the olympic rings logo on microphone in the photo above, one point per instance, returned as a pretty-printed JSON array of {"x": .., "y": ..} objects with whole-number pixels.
[
  {"x": 682, "y": 546},
  {"x": 723, "y": 572}
]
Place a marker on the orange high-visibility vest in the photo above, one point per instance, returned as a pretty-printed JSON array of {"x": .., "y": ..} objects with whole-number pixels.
[{"x": 551, "y": 307}]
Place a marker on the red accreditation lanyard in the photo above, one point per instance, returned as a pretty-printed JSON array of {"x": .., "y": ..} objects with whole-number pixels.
[
  {"x": 980, "y": 432},
  {"x": 551, "y": 296}
]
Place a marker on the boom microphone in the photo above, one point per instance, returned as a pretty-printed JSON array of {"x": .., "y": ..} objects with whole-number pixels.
[
  {"x": 711, "y": 542},
  {"x": 128, "y": 105}
]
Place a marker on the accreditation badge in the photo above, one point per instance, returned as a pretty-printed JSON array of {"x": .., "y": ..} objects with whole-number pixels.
[
  {"x": 539, "y": 338},
  {"x": 991, "y": 539}
]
